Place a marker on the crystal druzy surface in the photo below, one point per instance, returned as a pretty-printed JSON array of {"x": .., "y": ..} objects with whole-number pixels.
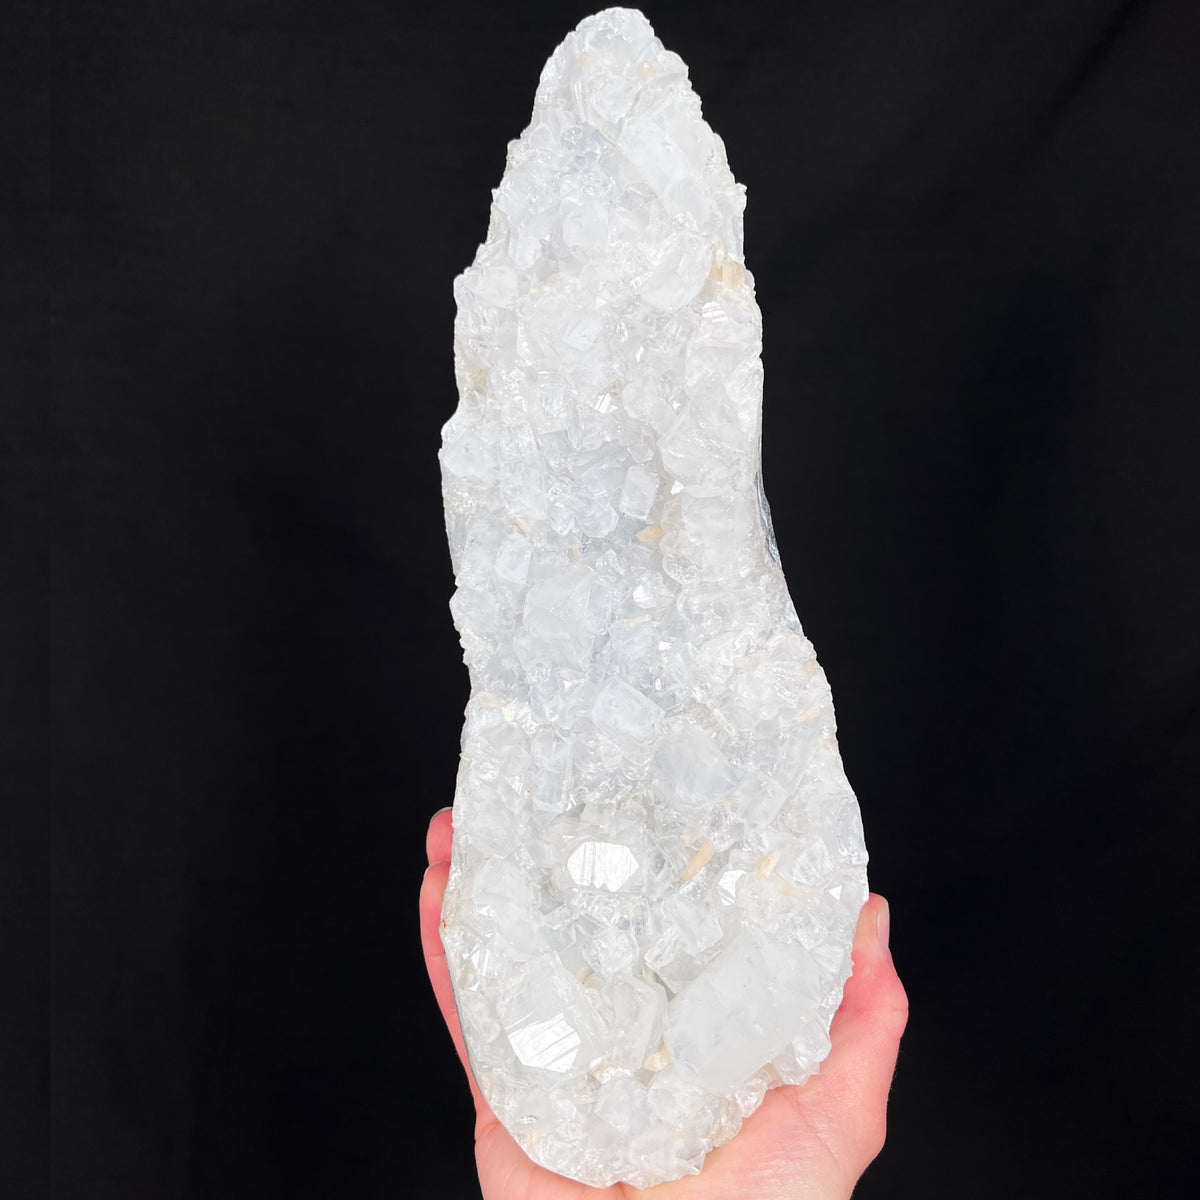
[{"x": 658, "y": 863}]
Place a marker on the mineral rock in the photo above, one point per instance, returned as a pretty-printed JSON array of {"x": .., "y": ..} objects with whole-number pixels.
[{"x": 658, "y": 863}]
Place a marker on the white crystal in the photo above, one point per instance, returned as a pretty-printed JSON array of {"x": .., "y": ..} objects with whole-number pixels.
[
  {"x": 727, "y": 1024},
  {"x": 606, "y": 865},
  {"x": 658, "y": 862},
  {"x": 638, "y": 492}
]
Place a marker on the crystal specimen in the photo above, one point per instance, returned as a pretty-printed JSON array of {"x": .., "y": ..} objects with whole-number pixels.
[{"x": 658, "y": 863}]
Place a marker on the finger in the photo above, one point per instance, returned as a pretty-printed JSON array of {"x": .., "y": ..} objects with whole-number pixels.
[
  {"x": 437, "y": 839},
  {"x": 433, "y": 887},
  {"x": 851, "y": 1090}
]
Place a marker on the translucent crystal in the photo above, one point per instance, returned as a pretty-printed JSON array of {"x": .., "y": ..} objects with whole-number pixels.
[{"x": 658, "y": 862}]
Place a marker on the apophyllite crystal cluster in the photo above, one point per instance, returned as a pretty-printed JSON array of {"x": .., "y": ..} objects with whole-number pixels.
[{"x": 658, "y": 863}]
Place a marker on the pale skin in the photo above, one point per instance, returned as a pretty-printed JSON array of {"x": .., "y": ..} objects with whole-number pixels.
[{"x": 803, "y": 1143}]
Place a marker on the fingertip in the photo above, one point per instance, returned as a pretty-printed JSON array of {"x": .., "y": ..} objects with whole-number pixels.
[
  {"x": 439, "y": 837},
  {"x": 875, "y": 910},
  {"x": 873, "y": 933},
  {"x": 874, "y": 988}
]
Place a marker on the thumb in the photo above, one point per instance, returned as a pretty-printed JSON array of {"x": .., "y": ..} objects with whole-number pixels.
[{"x": 850, "y": 1093}]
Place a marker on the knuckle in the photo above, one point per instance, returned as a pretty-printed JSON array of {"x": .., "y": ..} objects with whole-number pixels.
[{"x": 893, "y": 1006}]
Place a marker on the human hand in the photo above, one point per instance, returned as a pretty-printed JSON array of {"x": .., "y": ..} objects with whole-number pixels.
[{"x": 803, "y": 1143}]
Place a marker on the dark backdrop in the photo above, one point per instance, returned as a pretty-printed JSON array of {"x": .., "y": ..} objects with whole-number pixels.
[{"x": 974, "y": 231}]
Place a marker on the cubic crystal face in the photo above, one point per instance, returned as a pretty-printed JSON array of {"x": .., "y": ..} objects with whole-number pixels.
[{"x": 658, "y": 862}]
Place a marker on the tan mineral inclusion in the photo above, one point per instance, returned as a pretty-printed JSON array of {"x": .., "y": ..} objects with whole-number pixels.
[{"x": 658, "y": 863}]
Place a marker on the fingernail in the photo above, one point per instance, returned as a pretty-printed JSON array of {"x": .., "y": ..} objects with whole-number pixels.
[
  {"x": 448, "y": 808},
  {"x": 883, "y": 925}
]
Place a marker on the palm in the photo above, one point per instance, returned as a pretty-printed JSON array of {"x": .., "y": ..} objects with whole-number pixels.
[{"x": 811, "y": 1141}]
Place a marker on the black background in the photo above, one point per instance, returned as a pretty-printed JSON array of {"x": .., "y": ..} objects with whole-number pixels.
[{"x": 974, "y": 232}]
